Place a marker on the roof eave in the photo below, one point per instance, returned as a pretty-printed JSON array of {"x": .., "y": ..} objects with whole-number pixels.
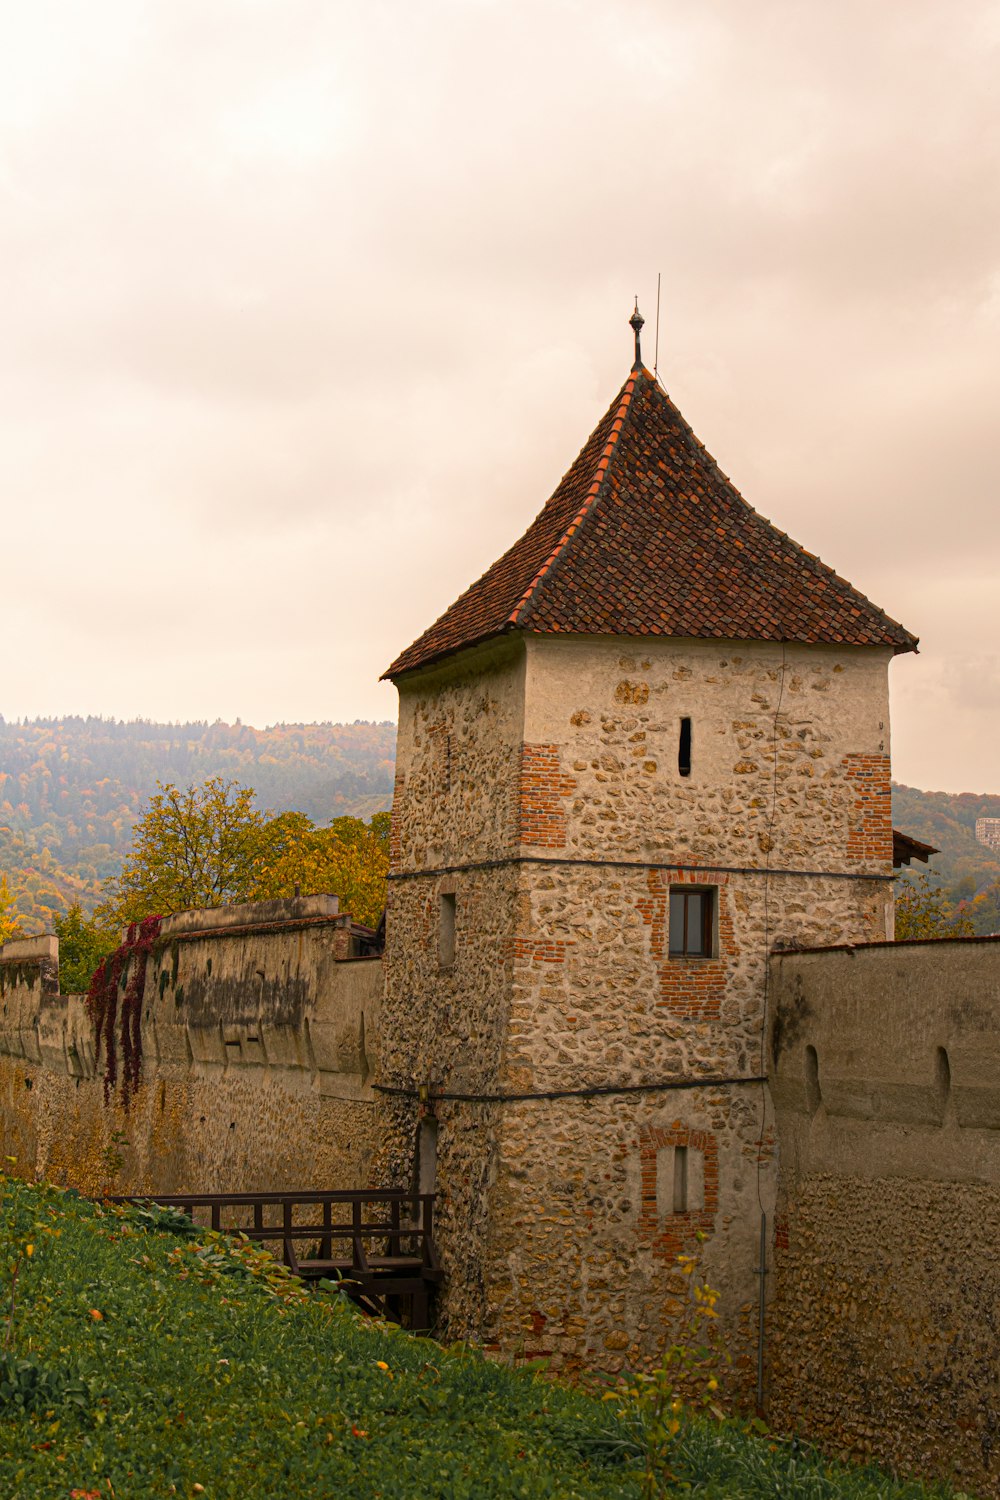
[{"x": 397, "y": 672}]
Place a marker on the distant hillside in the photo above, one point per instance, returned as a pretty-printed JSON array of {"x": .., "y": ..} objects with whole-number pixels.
[
  {"x": 71, "y": 789},
  {"x": 948, "y": 821}
]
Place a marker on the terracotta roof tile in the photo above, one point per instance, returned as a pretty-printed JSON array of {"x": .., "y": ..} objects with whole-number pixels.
[{"x": 646, "y": 536}]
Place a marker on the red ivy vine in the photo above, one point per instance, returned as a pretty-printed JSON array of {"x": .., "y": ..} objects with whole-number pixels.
[{"x": 128, "y": 961}]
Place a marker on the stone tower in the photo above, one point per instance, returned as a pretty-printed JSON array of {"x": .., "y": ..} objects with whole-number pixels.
[{"x": 647, "y": 747}]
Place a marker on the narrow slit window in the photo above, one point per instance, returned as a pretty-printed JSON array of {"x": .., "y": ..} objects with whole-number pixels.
[
  {"x": 680, "y": 1179},
  {"x": 447, "y": 930},
  {"x": 684, "y": 749},
  {"x": 692, "y": 917}
]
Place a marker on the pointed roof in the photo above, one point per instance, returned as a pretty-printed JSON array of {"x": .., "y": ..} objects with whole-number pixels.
[{"x": 646, "y": 536}]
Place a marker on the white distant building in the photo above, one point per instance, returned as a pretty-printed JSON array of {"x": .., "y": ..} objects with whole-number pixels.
[{"x": 988, "y": 832}]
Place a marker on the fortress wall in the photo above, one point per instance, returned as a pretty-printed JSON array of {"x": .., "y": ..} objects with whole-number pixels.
[
  {"x": 884, "y": 1329},
  {"x": 259, "y": 1037}
]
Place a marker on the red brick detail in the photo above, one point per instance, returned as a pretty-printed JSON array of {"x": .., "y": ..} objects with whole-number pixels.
[
  {"x": 781, "y": 1232},
  {"x": 541, "y": 814},
  {"x": 541, "y": 950},
  {"x": 691, "y": 989},
  {"x": 342, "y": 946},
  {"x": 869, "y": 838},
  {"x": 675, "y": 1234}
]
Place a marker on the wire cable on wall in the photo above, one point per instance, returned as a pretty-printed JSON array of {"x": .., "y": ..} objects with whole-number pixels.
[
  {"x": 589, "y": 1091},
  {"x": 765, "y": 1008},
  {"x": 502, "y": 861},
  {"x": 768, "y": 840}
]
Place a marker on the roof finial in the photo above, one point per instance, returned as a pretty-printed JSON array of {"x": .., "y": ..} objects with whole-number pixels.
[{"x": 636, "y": 321}]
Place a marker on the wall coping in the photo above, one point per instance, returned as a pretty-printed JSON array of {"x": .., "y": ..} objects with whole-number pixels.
[
  {"x": 250, "y": 914},
  {"x": 952, "y": 942},
  {"x": 32, "y": 948}
]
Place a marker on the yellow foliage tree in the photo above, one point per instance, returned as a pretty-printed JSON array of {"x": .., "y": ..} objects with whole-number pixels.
[
  {"x": 211, "y": 846},
  {"x": 350, "y": 858},
  {"x": 10, "y": 927},
  {"x": 923, "y": 911}
]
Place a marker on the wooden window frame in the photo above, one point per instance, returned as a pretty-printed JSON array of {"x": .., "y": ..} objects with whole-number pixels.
[{"x": 706, "y": 935}]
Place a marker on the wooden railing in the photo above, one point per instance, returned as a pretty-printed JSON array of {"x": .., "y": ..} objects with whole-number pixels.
[{"x": 379, "y": 1248}]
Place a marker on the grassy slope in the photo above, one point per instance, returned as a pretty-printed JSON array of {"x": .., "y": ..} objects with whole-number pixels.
[{"x": 170, "y": 1363}]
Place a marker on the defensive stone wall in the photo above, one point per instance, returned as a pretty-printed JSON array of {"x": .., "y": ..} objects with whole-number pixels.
[
  {"x": 885, "y": 1325},
  {"x": 259, "y": 1042}
]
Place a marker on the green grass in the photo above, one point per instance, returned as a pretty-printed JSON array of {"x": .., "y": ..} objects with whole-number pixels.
[{"x": 146, "y": 1362}]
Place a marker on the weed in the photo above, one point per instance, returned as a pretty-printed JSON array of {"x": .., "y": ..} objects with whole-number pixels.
[
  {"x": 112, "y": 1158},
  {"x": 655, "y": 1408}
]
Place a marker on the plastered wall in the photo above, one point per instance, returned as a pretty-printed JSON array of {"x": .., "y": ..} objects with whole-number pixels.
[
  {"x": 884, "y": 1330},
  {"x": 562, "y": 977},
  {"x": 259, "y": 1047}
]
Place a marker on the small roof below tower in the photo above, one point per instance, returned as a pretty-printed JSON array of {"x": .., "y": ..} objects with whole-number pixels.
[{"x": 646, "y": 536}]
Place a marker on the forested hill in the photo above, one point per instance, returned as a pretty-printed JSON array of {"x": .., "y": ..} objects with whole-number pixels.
[
  {"x": 70, "y": 789},
  {"x": 948, "y": 821}
]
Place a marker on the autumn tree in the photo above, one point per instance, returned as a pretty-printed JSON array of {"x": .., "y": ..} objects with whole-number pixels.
[
  {"x": 350, "y": 858},
  {"x": 982, "y": 910},
  {"x": 10, "y": 927},
  {"x": 83, "y": 944},
  {"x": 924, "y": 911},
  {"x": 211, "y": 846}
]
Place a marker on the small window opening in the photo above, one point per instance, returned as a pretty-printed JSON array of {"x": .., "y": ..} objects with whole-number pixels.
[
  {"x": 447, "y": 932},
  {"x": 427, "y": 1137},
  {"x": 684, "y": 749},
  {"x": 814, "y": 1094},
  {"x": 680, "y": 1179},
  {"x": 691, "y": 921},
  {"x": 942, "y": 1081}
]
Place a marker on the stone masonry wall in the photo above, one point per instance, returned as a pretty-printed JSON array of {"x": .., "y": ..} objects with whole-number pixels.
[
  {"x": 554, "y": 1239},
  {"x": 445, "y": 1023},
  {"x": 789, "y": 766},
  {"x": 259, "y": 1040},
  {"x": 883, "y": 1334}
]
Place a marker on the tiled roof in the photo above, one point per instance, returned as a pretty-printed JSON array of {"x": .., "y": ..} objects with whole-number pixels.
[{"x": 646, "y": 536}]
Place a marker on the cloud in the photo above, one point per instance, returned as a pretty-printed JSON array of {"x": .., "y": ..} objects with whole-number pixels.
[{"x": 309, "y": 305}]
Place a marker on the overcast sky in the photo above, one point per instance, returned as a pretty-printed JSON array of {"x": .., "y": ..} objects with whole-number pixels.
[{"x": 307, "y": 306}]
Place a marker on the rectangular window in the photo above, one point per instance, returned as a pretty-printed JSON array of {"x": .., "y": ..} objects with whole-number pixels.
[
  {"x": 446, "y": 936},
  {"x": 680, "y": 1181},
  {"x": 692, "y": 917}
]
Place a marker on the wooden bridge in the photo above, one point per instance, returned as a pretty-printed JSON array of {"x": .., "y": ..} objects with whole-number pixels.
[{"x": 379, "y": 1248}]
